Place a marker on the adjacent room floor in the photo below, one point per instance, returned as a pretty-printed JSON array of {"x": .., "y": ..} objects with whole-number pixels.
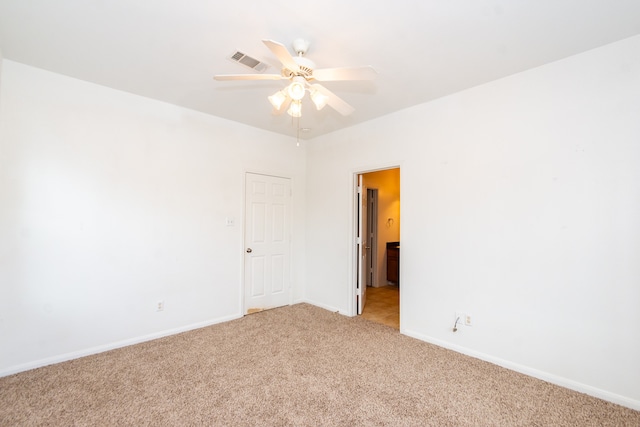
[{"x": 383, "y": 306}]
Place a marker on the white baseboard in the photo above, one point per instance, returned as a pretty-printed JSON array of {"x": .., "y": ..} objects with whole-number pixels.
[
  {"x": 554, "y": 379},
  {"x": 111, "y": 346},
  {"x": 545, "y": 376},
  {"x": 324, "y": 306}
]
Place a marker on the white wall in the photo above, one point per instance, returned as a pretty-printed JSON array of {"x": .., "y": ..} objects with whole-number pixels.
[
  {"x": 520, "y": 205},
  {"x": 1, "y": 58},
  {"x": 110, "y": 202}
]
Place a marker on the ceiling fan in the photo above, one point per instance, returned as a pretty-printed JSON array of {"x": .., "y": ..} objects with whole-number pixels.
[{"x": 303, "y": 75}]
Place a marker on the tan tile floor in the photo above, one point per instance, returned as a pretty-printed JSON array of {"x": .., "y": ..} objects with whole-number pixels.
[{"x": 383, "y": 306}]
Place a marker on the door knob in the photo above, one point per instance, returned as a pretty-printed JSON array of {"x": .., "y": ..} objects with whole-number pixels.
[{"x": 249, "y": 250}]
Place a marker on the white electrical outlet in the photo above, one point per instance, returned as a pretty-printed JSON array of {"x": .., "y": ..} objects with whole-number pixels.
[
  {"x": 160, "y": 306},
  {"x": 230, "y": 222},
  {"x": 467, "y": 320}
]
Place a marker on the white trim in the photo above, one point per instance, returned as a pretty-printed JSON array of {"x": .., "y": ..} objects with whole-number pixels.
[
  {"x": 112, "y": 346},
  {"x": 353, "y": 194},
  {"x": 545, "y": 376},
  {"x": 353, "y": 244}
]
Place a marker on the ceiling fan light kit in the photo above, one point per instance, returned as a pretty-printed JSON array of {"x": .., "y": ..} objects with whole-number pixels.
[
  {"x": 277, "y": 99},
  {"x": 319, "y": 99},
  {"x": 297, "y": 88},
  {"x": 302, "y": 74},
  {"x": 295, "y": 109}
]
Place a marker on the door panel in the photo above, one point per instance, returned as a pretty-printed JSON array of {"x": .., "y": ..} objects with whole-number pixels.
[
  {"x": 279, "y": 223},
  {"x": 267, "y": 234},
  {"x": 277, "y": 274},
  {"x": 258, "y": 222},
  {"x": 257, "y": 276}
]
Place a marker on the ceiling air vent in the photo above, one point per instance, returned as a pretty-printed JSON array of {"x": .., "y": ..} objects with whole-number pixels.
[{"x": 248, "y": 61}]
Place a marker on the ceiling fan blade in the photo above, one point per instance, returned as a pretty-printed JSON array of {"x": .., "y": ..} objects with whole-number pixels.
[
  {"x": 223, "y": 77},
  {"x": 334, "y": 100},
  {"x": 345, "y": 73},
  {"x": 283, "y": 55}
]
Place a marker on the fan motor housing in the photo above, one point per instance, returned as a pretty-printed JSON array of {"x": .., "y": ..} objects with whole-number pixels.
[{"x": 306, "y": 66}]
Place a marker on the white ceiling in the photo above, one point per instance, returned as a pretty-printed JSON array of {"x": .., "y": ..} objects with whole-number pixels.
[{"x": 422, "y": 49}]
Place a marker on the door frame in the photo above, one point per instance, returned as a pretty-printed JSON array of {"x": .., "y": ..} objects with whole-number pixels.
[
  {"x": 291, "y": 269},
  {"x": 353, "y": 232},
  {"x": 360, "y": 243}
]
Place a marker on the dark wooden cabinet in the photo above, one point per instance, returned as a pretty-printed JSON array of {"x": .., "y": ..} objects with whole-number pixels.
[{"x": 393, "y": 262}]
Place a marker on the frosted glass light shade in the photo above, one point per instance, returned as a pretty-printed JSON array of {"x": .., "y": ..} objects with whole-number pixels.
[
  {"x": 296, "y": 88},
  {"x": 277, "y": 99},
  {"x": 319, "y": 99},
  {"x": 295, "y": 109}
]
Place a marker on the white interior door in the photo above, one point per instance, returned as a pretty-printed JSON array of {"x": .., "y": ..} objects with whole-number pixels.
[
  {"x": 267, "y": 242},
  {"x": 361, "y": 242}
]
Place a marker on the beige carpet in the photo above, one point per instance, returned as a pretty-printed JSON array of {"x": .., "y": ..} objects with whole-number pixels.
[{"x": 294, "y": 366}]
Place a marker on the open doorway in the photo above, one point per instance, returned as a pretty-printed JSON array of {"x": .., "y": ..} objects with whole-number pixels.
[{"x": 377, "y": 246}]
